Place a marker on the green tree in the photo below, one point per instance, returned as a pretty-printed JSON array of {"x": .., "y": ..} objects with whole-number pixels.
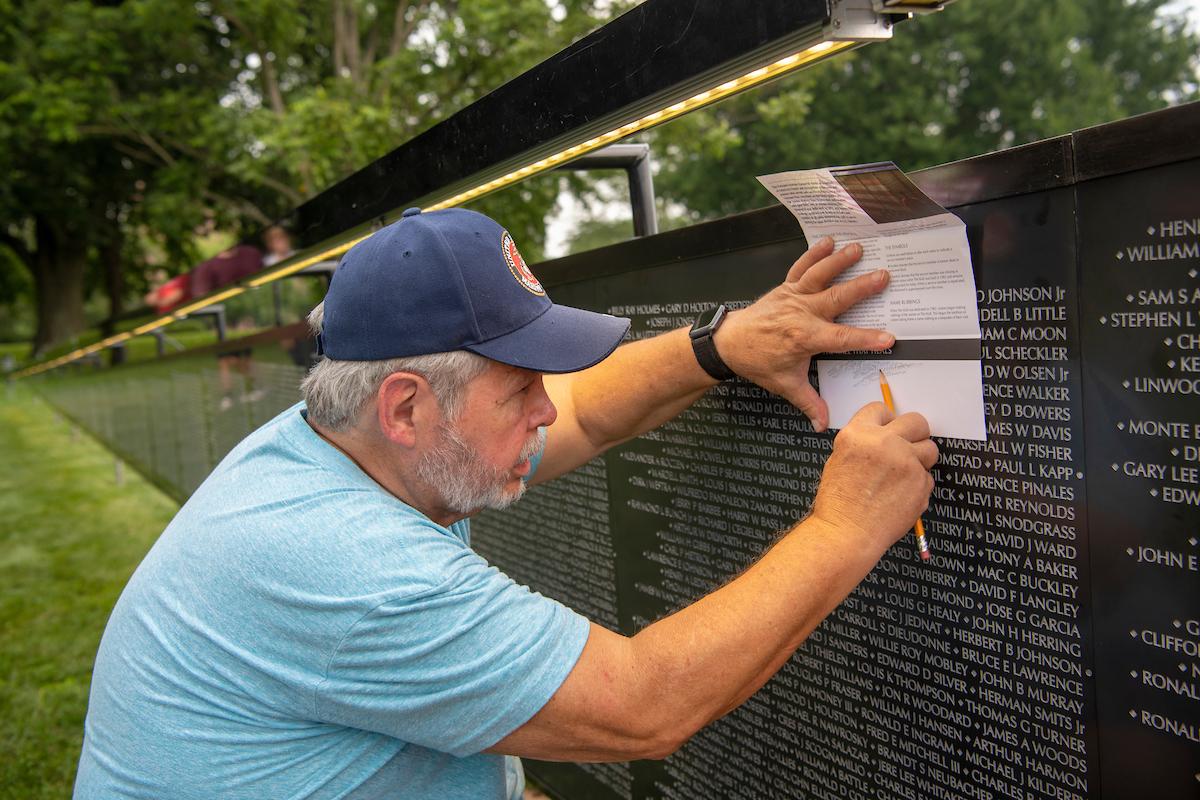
[
  {"x": 122, "y": 129},
  {"x": 981, "y": 76},
  {"x": 89, "y": 95},
  {"x": 326, "y": 94}
]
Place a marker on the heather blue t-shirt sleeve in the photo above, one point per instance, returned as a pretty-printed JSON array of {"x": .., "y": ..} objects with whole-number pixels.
[{"x": 458, "y": 663}]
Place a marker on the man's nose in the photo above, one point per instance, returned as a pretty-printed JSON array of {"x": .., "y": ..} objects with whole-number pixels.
[{"x": 546, "y": 412}]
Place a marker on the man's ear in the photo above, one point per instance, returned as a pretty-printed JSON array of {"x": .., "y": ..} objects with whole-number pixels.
[{"x": 406, "y": 408}]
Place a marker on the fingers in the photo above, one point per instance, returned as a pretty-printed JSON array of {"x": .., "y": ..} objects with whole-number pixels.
[
  {"x": 872, "y": 414},
  {"x": 806, "y": 398},
  {"x": 832, "y": 264},
  {"x": 834, "y": 338},
  {"x": 927, "y": 453},
  {"x": 911, "y": 426},
  {"x": 841, "y": 296},
  {"x": 820, "y": 250}
]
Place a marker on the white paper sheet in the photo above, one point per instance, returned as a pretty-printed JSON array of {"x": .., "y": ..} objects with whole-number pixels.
[
  {"x": 931, "y": 388},
  {"x": 929, "y": 305}
]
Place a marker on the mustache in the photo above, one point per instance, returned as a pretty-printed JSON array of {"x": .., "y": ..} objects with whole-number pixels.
[{"x": 535, "y": 445}]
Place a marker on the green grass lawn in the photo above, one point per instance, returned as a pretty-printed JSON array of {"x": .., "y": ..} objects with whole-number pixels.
[{"x": 69, "y": 539}]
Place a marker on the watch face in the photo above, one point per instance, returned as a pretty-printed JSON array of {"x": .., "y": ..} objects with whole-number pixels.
[{"x": 706, "y": 319}]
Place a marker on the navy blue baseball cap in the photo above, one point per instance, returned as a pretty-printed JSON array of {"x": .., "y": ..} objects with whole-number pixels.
[{"x": 454, "y": 280}]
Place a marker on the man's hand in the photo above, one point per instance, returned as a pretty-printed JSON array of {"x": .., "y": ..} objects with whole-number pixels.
[
  {"x": 877, "y": 479},
  {"x": 772, "y": 341}
]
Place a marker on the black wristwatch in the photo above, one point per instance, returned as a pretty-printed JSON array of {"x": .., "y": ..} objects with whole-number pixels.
[{"x": 705, "y": 348}]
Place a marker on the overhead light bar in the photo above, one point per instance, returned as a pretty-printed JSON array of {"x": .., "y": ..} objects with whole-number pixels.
[
  {"x": 306, "y": 262},
  {"x": 753, "y": 78},
  {"x": 212, "y": 299},
  {"x": 707, "y": 97},
  {"x": 851, "y": 23},
  {"x": 125, "y": 336}
]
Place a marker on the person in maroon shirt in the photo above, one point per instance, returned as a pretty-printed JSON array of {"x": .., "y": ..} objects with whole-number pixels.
[
  {"x": 228, "y": 267},
  {"x": 224, "y": 269}
]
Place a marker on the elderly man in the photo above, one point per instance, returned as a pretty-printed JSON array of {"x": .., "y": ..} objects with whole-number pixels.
[{"x": 314, "y": 624}]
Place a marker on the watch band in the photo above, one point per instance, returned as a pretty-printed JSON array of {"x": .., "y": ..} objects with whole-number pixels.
[{"x": 705, "y": 347}]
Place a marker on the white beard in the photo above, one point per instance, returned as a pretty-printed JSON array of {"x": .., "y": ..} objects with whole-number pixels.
[{"x": 453, "y": 468}]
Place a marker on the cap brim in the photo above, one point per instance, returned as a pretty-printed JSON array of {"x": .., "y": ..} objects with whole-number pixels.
[{"x": 563, "y": 339}]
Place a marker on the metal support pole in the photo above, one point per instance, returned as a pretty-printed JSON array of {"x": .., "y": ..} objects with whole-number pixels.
[
  {"x": 217, "y": 313},
  {"x": 635, "y": 160},
  {"x": 277, "y": 299},
  {"x": 160, "y": 342},
  {"x": 641, "y": 197}
]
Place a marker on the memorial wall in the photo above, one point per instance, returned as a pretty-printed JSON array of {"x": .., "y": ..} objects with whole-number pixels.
[{"x": 1049, "y": 650}]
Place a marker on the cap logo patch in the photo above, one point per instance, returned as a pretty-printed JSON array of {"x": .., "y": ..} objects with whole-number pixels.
[{"x": 518, "y": 267}]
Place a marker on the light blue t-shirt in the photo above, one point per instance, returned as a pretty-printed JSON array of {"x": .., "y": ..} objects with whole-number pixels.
[{"x": 298, "y": 632}]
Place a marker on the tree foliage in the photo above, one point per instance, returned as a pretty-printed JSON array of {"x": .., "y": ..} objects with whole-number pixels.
[
  {"x": 127, "y": 129},
  {"x": 95, "y": 117},
  {"x": 981, "y": 76}
]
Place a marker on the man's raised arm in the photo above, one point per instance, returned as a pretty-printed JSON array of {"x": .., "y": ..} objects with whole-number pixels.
[
  {"x": 642, "y": 697},
  {"x": 644, "y": 384}
]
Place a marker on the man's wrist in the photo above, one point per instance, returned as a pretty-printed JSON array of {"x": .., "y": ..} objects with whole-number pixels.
[{"x": 704, "y": 347}]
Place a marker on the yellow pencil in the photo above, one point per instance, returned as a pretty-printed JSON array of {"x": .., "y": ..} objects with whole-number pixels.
[{"x": 919, "y": 529}]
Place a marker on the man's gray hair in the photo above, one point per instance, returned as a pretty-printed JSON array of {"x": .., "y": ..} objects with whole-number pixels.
[{"x": 336, "y": 391}]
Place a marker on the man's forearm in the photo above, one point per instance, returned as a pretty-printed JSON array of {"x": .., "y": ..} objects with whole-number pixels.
[
  {"x": 708, "y": 658},
  {"x": 639, "y": 387},
  {"x": 642, "y": 697}
]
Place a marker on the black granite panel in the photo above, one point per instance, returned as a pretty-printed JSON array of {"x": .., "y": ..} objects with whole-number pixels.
[{"x": 1139, "y": 239}]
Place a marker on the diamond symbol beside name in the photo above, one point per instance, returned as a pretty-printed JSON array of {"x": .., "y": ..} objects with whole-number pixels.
[
  {"x": 1120, "y": 255},
  {"x": 1150, "y": 230}
]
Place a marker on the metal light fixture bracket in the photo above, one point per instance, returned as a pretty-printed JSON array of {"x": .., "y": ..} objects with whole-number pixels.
[{"x": 858, "y": 20}]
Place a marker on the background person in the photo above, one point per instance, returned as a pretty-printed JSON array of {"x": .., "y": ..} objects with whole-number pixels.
[
  {"x": 168, "y": 292},
  {"x": 278, "y": 243}
]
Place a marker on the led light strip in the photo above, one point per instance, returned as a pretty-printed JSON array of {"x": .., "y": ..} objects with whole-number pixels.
[
  {"x": 127, "y": 335},
  {"x": 707, "y": 97},
  {"x": 180, "y": 313},
  {"x": 292, "y": 269},
  {"x": 794, "y": 61}
]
